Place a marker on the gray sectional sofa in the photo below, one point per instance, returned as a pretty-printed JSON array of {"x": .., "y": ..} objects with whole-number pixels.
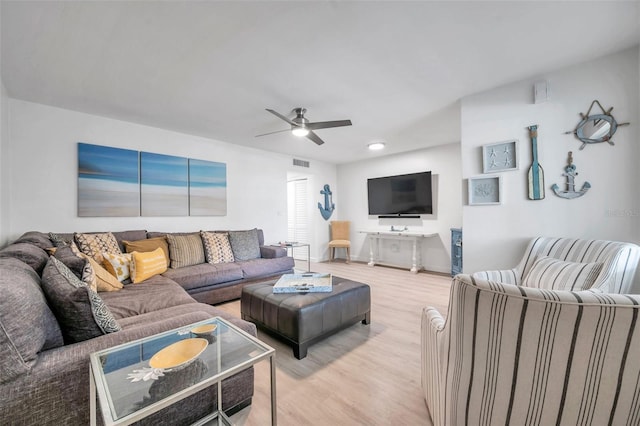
[{"x": 44, "y": 379}]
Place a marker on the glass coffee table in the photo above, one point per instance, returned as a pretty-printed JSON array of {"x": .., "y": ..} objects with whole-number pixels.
[{"x": 185, "y": 361}]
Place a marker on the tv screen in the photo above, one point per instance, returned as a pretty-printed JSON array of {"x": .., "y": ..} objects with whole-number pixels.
[{"x": 399, "y": 195}]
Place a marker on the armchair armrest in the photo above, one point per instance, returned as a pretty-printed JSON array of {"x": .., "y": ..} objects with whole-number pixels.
[
  {"x": 272, "y": 252},
  {"x": 507, "y": 276},
  {"x": 433, "y": 361}
]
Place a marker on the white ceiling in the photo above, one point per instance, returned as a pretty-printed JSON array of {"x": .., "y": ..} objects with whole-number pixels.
[{"x": 396, "y": 69}]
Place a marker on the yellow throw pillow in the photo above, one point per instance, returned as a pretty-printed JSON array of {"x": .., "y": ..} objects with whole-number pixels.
[
  {"x": 150, "y": 244},
  {"x": 117, "y": 264},
  {"x": 147, "y": 264},
  {"x": 104, "y": 280}
]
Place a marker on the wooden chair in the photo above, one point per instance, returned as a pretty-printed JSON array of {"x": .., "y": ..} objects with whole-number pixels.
[{"x": 339, "y": 238}]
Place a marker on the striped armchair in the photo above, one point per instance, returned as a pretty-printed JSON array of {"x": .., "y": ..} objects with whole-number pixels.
[
  {"x": 619, "y": 261},
  {"x": 526, "y": 356}
]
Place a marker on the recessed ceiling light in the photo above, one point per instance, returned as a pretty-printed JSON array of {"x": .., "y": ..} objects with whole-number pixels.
[{"x": 376, "y": 146}]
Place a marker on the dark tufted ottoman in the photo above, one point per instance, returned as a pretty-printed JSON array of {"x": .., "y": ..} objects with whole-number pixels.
[{"x": 304, "y": 319}]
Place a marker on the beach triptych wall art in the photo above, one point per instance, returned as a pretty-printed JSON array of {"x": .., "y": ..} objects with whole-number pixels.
[{"x": 122, "y": 182}]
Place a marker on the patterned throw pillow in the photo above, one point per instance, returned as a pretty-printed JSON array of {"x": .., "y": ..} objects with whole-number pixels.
[
  {"x": 81, "y": 313},
  {"x": 80, "y": 267},
  {"x": 95, "y": 244},
  {"x": 145, "y": 265},
  {"x": 554, "y": 274},
  {"x": 104, "y": 280},
  {"x": 245, "y": 244},
  {"x": 59, "y": 241},
  {"x": 149, "y": 244},
  {"x": 117, "y": 265},
  {"x": 185, "y": 250},
  {"x": 217, "y": 248}
]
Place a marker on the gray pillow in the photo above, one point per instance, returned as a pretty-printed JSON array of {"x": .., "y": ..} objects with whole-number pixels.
[
  {"x": 81, "y": 313},
  {"x": 185, "y": 250},
  {"x": 28, "y": 253},
  {"x": 245, "y": 244}
]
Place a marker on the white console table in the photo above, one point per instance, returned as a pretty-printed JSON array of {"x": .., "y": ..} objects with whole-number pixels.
[{"x": 374, "y": 246}]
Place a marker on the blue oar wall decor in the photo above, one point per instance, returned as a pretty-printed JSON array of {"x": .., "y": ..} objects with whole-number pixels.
[{"x": 536, "y": 174}]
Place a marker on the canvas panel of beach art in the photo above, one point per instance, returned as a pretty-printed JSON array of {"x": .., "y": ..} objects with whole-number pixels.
[
  {"x": 207, "y": 188},
  {"x": 164, "y": 185},
  {"x": 107, "y": 181}
]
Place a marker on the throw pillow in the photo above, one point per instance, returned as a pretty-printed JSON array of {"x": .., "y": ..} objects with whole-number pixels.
[
  {"x": 149, "y": 244},
  {"x": 81, "y": 313},
  {"x": 104, "y": 280},
  {"x": 554, "y": 274},
  {"x": 117, "y": 265},
  {"x": 95, "y": 244},
  {"x": 185, "y": 250},
  {"x": 60, "y": 241},
  {"x": 80, "y": 266},
  {"x": 245, "y": 244},
  {"x": 217, "y": 248},
  {"x": 145, "y": 265}
]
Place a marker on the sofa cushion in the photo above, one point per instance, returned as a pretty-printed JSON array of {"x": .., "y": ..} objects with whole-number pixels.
[
  {"x": 117, "y": 264},
  {"x": 131, "y": 235},
  {"x": 205, "y": 274},
  {"x": 27, "y": 325},
  {"x": 154, "y": 294},
  {"x": 28, "y": 253},
  {"x": 148, "y": 244},
  {"x": 554, "y": 274},
  {"x": 36, "y": 238},
  {"x": 104, "y": 280},
  {"x": 217, "y": 248},
  {"x": 255, "y": 268},
  {"x": 95, "y": 244},
  {"x": 81, "y": 313},
  {"x": 145, "y": 265},
  {"x": 185, "y": 250},
  {"x": 245, "y": 244}
]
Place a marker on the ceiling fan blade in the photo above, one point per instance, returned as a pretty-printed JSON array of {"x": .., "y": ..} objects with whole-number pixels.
[
  {"x": 313, "y": 137},
  {"x": 271, "y": 133},
  {"x": 282, "y": 117},
  {"x": 327, "y": 124}
]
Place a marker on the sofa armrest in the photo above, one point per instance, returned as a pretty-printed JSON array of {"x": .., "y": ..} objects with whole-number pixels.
[
  {"x": 272, "y": 252},
  {"x": 507, "y": 276},
  {"x": 433, "y": 361}
]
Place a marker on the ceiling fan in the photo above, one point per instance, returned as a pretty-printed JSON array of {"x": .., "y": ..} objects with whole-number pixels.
[{"x": 300, "y": 126}]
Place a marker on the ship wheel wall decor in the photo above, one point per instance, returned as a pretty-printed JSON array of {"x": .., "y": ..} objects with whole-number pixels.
[{"x": 596, "y": 128}]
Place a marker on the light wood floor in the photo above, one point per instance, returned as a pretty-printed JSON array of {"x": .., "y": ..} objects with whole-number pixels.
[{"x": 364, "y": 375}]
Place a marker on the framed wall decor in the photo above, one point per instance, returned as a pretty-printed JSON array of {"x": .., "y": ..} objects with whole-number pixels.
[
  {"x": 500, "y": 156},
  {"x": 485, "y": 190}
]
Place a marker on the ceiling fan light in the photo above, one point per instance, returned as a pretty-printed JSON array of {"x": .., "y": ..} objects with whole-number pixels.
[
  {"x": 376, "y": 146},
  {"x": 300, "y": 131}
]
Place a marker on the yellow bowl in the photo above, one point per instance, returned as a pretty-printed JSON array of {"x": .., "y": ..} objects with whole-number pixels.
[
  {"x": 204, "y": 329},
  {"x": 179, "y": 354}
]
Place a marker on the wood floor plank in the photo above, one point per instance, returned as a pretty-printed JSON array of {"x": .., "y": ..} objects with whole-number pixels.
[{"x": 364, "y": 375}]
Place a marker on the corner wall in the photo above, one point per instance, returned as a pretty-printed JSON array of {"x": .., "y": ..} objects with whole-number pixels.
[
  {"x": 495, "y": 236},
  {"x": 42, "y": 154},
  {"x": 4, "y": 165},
  {"x": 444, "y": 163}
]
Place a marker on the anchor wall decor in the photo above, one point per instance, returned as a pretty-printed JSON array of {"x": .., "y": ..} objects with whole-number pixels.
[
  {"x": 328, "y": 207},
  {"x": 570, "y": 173}
]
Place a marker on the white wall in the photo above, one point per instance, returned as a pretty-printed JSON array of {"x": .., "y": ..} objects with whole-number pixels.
[
  {"x": 495, "y": 236},
  {"x": 4, "y": 146},
  {"x": 43, "y": 174},
  {"x": 444, "y": 163}
]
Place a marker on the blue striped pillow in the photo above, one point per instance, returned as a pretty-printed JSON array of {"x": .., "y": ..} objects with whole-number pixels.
[{"x": 554, "y": 274}]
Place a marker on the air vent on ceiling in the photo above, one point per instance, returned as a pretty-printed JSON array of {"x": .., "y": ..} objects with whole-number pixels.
[{"x": 300, "y": 163}]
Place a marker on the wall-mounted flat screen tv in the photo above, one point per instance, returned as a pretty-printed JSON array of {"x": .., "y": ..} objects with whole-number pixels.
[{"x": 400, "y": 195}]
